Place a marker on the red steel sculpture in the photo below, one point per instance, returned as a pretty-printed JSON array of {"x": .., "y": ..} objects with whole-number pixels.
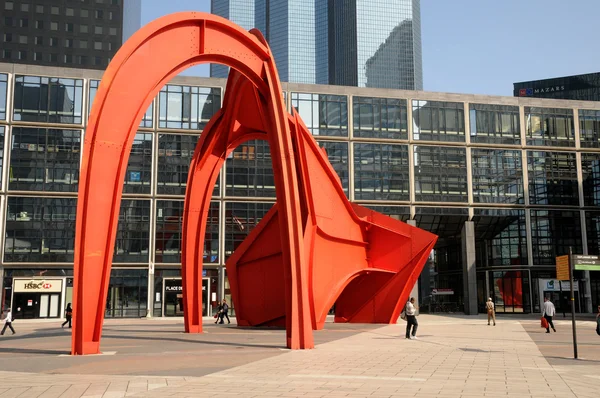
[{"x": 312, "y": 249}]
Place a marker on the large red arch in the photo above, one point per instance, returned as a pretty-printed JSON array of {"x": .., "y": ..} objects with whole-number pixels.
[{"x": 314, "y": 248}]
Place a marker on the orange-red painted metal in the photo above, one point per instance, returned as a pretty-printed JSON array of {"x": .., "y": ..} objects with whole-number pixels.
[{"x": 312, "y": 249}]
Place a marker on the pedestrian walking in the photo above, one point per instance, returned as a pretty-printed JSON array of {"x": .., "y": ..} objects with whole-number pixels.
[
  {"x": 548, "y": 311},
  {"x": 224, "y": 312},
  {"x": 489, "y": 305},
  {"x": 8, "y": 323},
  {"x": 219, "y": 312},
  {"x": 68, "y": 316},
  {"x": 411, "y": 319}
]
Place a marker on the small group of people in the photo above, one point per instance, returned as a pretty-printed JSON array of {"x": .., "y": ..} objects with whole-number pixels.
[{"x": 222, "y": 312}]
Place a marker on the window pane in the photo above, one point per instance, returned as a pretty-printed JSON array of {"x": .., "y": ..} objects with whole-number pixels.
[
  {"x": 187, "y": 107},
  {"x": 438, "y": 121},
  {"x": 44, "y": 159},
  {"x": 337, "y": 154},
  {"x": 549, "y": 126},
  {"x": 440, "y": 174},
  {"x": 497, "y": 176},
  {"x": 50, "y": 100},
  {"x": 552, "y": 178},
  {"x": 380, "y": 118},
  {"x": 589, "y": 128},
  {"x": 552, "y": 233},
  {"x": 169, "y": 218},
  {"x": 139, "y": 168},
  {"x": 133, "y": 233},
  {"x": 494, "y": 124},
  {"x": 501, "y": 237},
  {"x": 240, "y": 219},
  {"x": 40, "y": 229},
  {"x": 381, "y": 172},
  {"x": 3, "y": 90},
  {"x": 323, "y": 114},
  {"x": 250, "y": 171},
  {"x": 590, "y": 166}
]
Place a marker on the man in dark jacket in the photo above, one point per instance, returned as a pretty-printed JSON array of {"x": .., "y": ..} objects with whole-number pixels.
[{"x": 224, "y": 312}]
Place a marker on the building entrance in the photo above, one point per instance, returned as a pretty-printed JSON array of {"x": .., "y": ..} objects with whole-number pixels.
[
  {"x": 37, "y": 298},
  {"x": 173, "y": 296}
]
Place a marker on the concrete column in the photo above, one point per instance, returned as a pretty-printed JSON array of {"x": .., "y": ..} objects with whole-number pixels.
[
  {"x": 150, "y": 312},
  {"x": 469, "y": 270}
]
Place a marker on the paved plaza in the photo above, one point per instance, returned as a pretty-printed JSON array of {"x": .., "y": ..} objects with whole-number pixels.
[{"x": 454, "y": 357}]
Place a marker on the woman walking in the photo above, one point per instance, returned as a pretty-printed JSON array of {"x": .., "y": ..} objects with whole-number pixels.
[{"x": 68, "y": 316}]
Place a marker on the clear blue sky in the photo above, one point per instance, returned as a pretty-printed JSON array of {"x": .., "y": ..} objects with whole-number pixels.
[{"x": 483, "y": 46}]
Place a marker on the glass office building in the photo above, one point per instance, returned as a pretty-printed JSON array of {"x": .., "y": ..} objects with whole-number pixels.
[
  {"x": 78, "y": 34},
  {"x": 374, "y": 43},
  {"x": 579, "y": 87},
  {"x": 506, "y": 183}
]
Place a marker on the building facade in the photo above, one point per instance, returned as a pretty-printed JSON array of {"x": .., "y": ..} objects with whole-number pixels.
[
  {"x": 506, "y": 183},
  {"x": 70, "y": 33},
  {"x": 361, "y": 43},
  {"x": 579, "y": 87}
]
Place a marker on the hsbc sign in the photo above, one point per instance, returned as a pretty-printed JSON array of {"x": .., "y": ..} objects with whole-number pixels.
[{"x": 37, "y": 285}]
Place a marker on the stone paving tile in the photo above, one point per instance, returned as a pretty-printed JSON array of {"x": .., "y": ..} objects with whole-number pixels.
[{"x": 453, "y": 358}]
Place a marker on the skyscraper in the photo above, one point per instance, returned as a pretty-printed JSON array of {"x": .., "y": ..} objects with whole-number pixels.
[
  {"x": 365, "y": 43},
  {"x": 83, "y": 34}
]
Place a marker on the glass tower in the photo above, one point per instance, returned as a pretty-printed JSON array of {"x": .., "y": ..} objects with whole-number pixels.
[{"x": 365, "y": 43}]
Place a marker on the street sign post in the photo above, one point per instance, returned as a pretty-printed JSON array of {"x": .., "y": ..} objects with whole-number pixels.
[
  {"x": 583, "y": 262},
  {"x": 572, "y": 282}
]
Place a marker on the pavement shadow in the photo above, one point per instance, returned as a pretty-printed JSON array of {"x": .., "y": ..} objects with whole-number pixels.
[
  {"x": 188, "y": 341},
  {"x": 32, "y": 351}
]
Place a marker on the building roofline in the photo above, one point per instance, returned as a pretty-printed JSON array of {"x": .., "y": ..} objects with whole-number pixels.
[{"x": 63, "y": 72}]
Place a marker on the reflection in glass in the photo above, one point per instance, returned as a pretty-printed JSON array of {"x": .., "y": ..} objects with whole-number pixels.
[
  {"x": 494, "y": 124},
  {"x": 592, "y": 227},
  {"x": 175, "y": 152},
  {"x": 44, "y": 159},
  {"x": 250, "y": 171},
  {"x": 552, "y": 178},
  {"x": 240, "y": 219},
  {"x": 323, "y": 114},
  {"x": 187, "y": 107},
  {"x": 552, "y": 233},
  {"x": 590, "y": 168},
  {"x": 133, "y": 232},
  {"x": 497, "y": 176},
  {"x": 49, "y": 100},
  {"x": 440, "y": 174},
  {"x": 39, "y": 229},
  {"x": 381, "y": 172},
  {"x": 438, "y": 121},
  {"x": 139, "y": 168},
  {"x": 3, "y": 92},
  {"x": 147, "y": 118},
  {"x": 589, "y": 128},
  {"x": 337, "y": 153},
  {"x": 549, "y": 126},
  {"x": 169, "y": 219},
  {"x": 127, "y": 293},
  {"x": 500, "y": 237},
  {"x": 380, "y": 118}
]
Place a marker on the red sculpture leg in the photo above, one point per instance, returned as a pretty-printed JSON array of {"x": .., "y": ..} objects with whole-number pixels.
[{"x": 142, "y": 66}]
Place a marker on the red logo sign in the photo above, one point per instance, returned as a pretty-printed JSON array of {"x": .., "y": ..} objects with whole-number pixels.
[{"x": 47, "y": 286}]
